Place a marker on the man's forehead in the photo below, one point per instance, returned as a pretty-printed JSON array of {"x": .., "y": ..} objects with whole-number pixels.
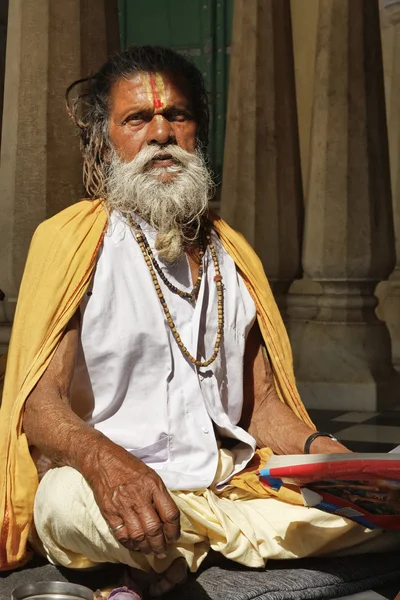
[
  {"x": 158, "y": 89},
  {"x": 154, "y": 85}
]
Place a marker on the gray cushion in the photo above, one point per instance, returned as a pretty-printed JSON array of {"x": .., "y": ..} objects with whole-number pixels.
[{"x": 306, "y": 579}]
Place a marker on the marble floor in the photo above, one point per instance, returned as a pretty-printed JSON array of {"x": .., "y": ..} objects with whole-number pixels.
[{"x": 361, "y": 431}]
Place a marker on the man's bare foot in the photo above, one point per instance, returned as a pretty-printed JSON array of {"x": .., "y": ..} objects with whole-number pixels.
[{"x": 174, "y": 575}]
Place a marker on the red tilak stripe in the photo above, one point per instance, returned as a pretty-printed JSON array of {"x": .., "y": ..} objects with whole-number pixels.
[{"x": 156, "y": 98}]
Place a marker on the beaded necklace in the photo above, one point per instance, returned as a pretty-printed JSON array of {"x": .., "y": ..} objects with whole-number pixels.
[
  {"x": 191, "y": 296},
  {"x": 150, "y": 262}
]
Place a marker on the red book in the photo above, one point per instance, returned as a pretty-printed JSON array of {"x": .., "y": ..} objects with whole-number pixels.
[{"x": 361, "y": 487}]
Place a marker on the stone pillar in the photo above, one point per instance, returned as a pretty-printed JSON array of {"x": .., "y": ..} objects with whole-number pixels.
[
  {"x": 390, "y": 292},
  {"x": 3, "y": 38},
  {"x": 343, "y": 353},
  {"x": 50, "y": 43},
  {"x": 261, "y": 188}
]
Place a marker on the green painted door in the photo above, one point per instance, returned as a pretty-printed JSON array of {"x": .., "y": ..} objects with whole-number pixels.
[{"x": 199, "y": 29}]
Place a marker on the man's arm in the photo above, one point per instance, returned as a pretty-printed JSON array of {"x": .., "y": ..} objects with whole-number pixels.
[
  {"x": 126, "y": 490},
  {"x": 265, "y": 417}
]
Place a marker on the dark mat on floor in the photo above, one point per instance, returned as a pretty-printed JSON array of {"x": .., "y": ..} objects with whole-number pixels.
[{"x": 306, "y": 579}]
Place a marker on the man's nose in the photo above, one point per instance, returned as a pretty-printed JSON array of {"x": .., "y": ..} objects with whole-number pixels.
[{"x": 160, "y": 131}]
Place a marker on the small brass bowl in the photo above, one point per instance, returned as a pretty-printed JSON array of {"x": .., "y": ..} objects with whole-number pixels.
[{"x": 51, "y": 590}]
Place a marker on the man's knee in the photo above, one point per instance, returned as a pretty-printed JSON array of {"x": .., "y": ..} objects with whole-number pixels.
[{"x": 58, "y": 498}]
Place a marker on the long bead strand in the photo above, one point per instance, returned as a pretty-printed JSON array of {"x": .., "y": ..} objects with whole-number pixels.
[
  {"x": 220, "y": 297},
  {"x": 192, "y": 296}
]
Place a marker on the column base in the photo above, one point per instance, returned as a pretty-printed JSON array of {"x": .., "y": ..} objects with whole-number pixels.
[
  {"x": 389, "y": 309},
  {"x": 373, "y": 396},
  {"x": 7, "y": 312},
  {"x": 344, "y": 366},
  {"x": 5, "y": 334}
]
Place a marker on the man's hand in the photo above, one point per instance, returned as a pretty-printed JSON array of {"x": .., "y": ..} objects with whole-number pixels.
[
  {"x": 129, "y": 492},
  {"x": 126, "y": 490},
  {"x": 325, "y": 445}
]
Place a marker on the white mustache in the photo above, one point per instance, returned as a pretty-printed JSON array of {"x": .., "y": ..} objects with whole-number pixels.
[
  {"x": 168, "y": 207},
  {"x": 142, "y": 160}
]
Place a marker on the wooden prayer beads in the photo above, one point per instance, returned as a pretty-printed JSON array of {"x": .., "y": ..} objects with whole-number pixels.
[
  {"x": 192, "y": 296},
  {"x": 152, "y": 264}
]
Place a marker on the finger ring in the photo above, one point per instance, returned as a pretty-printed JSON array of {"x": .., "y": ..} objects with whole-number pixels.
[{"x": 115, "y": 529}]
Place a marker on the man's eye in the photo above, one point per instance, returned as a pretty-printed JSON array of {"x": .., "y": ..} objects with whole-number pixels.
[
  {"x": 133, "y": 119},
  {"x": 179, "y": 116}
]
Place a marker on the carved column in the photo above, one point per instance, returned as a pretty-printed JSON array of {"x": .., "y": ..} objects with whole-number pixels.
[
  {"x": 391, "y": 291},
  {"x": 3, "y": 38},
  {"x": 261, "y": 188},
  {"x": 345, "y": 356},
  {"x": 50, "y": 43}
]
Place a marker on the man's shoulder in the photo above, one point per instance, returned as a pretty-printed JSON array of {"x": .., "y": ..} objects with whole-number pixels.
[
  {"x": 70, "y": 236},
  {"x": 71, "y": 218}
]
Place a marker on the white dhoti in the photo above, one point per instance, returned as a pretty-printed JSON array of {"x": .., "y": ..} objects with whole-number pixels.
[{"x": 242, "y": 528}]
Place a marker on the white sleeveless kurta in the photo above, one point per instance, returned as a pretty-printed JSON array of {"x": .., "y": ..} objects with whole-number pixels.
[
  {"x": 152, "y": 401},
  {"x": 148, "y": 397}
]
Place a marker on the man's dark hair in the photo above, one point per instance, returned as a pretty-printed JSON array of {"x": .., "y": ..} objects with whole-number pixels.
[{"x": 89, "y": 109}]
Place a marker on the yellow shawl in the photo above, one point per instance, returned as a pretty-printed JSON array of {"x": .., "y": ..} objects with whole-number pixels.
[{"x": 59, "y": 267}]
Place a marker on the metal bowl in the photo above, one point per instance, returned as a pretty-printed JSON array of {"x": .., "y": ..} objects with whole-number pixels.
[{"x": 51, "y": 590}]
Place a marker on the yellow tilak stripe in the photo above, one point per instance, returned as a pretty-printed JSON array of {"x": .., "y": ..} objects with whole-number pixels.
[{"x": 160, "y": 89}]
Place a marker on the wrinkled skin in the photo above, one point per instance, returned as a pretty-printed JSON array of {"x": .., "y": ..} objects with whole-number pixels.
[
  {"x": 136, "y": 123},
  {"x": 126, "y": 490},
  {"x": 129, "y": 492}
]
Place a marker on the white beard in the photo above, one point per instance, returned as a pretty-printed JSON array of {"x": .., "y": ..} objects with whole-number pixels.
[{"x": 174, "y": 208}]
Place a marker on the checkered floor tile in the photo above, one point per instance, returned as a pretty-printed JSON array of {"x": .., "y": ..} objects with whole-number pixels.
[{"x": 361, "y": 431}]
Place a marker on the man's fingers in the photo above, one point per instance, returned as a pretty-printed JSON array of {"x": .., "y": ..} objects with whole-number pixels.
[
  {"x": 150, "y": 518},
  {"x": 170, "y": 517},
  {"x": 153, "y": 530},
  {"x": 137, "y": 539},
  {"x": 131, "y": 535},
  {"x": 172, "y": 528},
  {"x": 120, "y": 533}
]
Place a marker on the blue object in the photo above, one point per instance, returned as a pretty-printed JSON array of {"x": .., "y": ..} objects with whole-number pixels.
[{"x": 272, "y": 482}]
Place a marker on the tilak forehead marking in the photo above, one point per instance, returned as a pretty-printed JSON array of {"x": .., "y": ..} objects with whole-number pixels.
[{"x": 155, "y": 89}]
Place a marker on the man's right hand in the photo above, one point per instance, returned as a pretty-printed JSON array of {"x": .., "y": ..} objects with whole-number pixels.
[
  {"x": 126, "y": 490},
  {"x": 129, "y": 492}
]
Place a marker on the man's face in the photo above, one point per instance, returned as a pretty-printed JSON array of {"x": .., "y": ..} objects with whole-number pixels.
[
  {"x": 155, "y": 169},
  {"x": 151, "y": 109}
]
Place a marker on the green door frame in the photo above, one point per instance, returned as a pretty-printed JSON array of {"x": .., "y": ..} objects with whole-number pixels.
[{"x": 201, "y": 31}]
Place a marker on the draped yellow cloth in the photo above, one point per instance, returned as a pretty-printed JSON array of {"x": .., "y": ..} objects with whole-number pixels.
[{"x": 59, "y": 267}]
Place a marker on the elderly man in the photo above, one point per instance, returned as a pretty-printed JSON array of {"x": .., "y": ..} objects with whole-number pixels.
[{"x": 148, "y": 360}]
